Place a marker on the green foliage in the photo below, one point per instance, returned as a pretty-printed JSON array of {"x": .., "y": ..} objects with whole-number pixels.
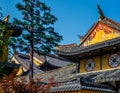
[
  {"x": 70, "y": 64},
  {"x": 2, "y": 71},
  {"x": 37, "y": 19},
  {"x": 1, "y": 15}
]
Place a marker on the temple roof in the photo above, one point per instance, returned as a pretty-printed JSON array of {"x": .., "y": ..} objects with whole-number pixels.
[
  {"x": 102, "y": 76},
  {"x": 78, "y": 87},
  {"x": 96, "y": 81},
  {"x": 108, "y": 76},
  {"x": 81, "y": 84},
  {"x": 81, "y": 48},
  {"x": 25, "y": 62},
  {"x": 16, "y": 29},
  {"x": 60, "y": 75},
  {"x": 9, "y": 65},
  {"x": 68, "y": 80},
  {"x": 56, "y": 61},
  {"x": 9, "y": 68},
  {"x": 50, "y": 60},
  {"x": 68, "y": 75},
  {"x": 68, "y": 46}
]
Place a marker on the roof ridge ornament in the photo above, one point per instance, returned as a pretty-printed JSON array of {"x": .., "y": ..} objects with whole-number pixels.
[
  {"x": 5, "y": 19},
  {"x": 101, "y": 14}
]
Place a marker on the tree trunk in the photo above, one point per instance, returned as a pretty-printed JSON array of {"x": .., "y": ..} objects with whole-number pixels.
[{"x": 31, "y": 57}]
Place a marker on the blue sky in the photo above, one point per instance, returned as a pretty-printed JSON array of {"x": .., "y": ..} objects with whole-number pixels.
[{"x": 74, "y": 16}]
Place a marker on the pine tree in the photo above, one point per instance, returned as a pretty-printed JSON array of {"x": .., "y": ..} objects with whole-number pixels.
[
  {"x": 38, "y": 21},
  {"x": 1, "y": 15}
]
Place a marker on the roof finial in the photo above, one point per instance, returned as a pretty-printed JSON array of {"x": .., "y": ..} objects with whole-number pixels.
[
  {"x": 101, "y": 14},
  {"x": 6, "y": 18}
]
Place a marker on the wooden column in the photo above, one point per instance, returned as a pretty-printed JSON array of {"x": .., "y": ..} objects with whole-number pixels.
[
  {"x": 101, "y": 55},
  {"x": 78, "y": 68},
  {"x": 77, "y": 64},
  {"x": 4, "y": 54}
]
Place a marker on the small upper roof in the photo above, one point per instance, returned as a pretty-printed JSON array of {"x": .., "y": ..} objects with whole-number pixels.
[
  {"x": 57, "y": 61},
  {"x": 51, "y": 60},
  {"x": 25, "y": 62},
  {"x": 68, "y": 46}
]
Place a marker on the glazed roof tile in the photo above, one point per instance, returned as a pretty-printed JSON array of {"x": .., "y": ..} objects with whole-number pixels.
[
  {"x": 39, "y": 57},
  {"x": 67, "y": 46},
  {"x": 59, "y": 62},
  {"x": 111, "y": 23},
  {"x": 81, "y": 85},
  {"x": 69, "y": 80},
  {"x": 79, "y": 50},
  {"x": 67, "y": 75},
  {"x": 60, "y": 75},
  {"x": 25, "y": 62},
  {"x": 108, "y": 76},
  {"x": 53, "y": 60},
  {"x": 101, "y": 76}
]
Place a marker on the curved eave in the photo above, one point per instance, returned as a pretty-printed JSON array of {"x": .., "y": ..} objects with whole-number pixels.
[
  {"x": 49, "y": 65},
  {"x": 78, "y": 87},
  {"x": 10, "y": 65},
  {"x": 25, "y": 73},
  {"x": 80, "y": 50},
  {"x": 17, "y": 31},
  {"x": 11, "y": 69},
  {"x": 111, "y": 75}
]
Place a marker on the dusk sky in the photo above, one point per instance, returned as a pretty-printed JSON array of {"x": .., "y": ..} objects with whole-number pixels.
[{"x": 74, "y": 16}]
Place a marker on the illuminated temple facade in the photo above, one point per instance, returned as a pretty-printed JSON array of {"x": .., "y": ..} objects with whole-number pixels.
[{"x": 97, "y": 58}]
